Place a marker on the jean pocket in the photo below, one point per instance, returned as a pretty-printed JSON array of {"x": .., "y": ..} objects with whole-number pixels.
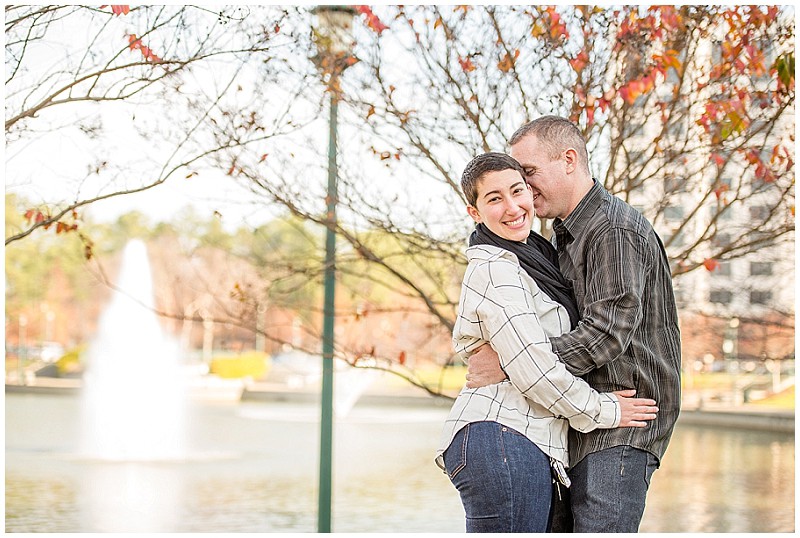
[{"x": 455, "y": 457}]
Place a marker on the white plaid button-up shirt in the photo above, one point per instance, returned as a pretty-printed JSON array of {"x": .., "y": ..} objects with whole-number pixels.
[{"x": 502, "y": 305}]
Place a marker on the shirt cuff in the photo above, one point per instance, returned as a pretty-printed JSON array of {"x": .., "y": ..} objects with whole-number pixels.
[{"x": 610, "y": 414}]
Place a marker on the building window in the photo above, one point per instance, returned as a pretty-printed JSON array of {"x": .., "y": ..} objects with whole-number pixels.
[
  {"x": 721, "y": 240},
  {"x": 760, "y": 297},
  {"x": 724, "y": 269},
  {"x": 673, "y": 212},
  {"x": 759, "y": 212},
  {"x": 760, "y": 268},
  {"x": 720, "y": 296},
  {"x": 674, "y": 240},
  {"x": 725, "y": 213},
  {"x": 673, "y": 184}
]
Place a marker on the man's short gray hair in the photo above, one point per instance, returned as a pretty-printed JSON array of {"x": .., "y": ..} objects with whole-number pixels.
[{"x": 556, "y": 134}]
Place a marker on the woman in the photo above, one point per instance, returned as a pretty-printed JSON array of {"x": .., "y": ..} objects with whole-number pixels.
[{"x": 502, "y": 443}]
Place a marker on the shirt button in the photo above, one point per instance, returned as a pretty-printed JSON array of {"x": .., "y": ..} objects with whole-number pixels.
[{"x": 504, "y": 429}]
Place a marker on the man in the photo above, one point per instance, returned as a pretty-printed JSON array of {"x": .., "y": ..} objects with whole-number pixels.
[{"x": 628, "y": 336}]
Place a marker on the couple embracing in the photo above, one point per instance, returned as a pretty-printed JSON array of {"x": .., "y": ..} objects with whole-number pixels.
[{"x": 573, "y": 349}]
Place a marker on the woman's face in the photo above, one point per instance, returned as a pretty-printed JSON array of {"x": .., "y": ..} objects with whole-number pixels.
[{"x": 504, "y": 204}]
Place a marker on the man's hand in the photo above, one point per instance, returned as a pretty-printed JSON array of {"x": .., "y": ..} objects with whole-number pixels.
[
  {"x": 483, "y": 368},
  {"x": 634, "y": 411}
]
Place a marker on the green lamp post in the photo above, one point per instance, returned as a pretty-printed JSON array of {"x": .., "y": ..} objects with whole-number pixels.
[{"x": 332, "y": 36}]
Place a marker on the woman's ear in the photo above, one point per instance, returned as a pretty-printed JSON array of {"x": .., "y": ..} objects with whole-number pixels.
[{"x": 472, "y": 211}]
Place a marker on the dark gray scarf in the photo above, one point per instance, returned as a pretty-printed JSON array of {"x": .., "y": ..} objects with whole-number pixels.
[{"x": 540, "y": 260}]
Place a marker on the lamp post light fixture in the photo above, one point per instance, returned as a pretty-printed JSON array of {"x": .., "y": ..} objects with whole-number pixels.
[{"x": 334, "y": 42}]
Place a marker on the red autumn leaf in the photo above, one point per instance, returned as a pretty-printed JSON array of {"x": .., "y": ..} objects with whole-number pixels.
[
  {"x": 590, "y": 115},
  {"x": 118, "y": 10},
  {"x": 580, "y": 61},
  {"x": 402, "y": 357},
  {"x": 263, "y": 157},
  {"x": 719, "y": 191},
  {"x": 373, "y": 22},
  {"x": 624, "y": 92},
  {"x": 134, "y": 42},
  {"x": 466, "y": 64},
  {"x": 718, "y": 159},
  {"x": 147, "y": 52},
  {"x": 711, "y": 264}
]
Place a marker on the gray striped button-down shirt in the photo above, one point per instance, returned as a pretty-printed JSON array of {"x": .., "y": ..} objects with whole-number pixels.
[{"x": 628, "y": 336}]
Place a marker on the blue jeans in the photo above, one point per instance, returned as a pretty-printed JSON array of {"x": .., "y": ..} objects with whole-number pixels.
[
  {"x": 609, "y": 488},
  {"x": 503, "y": 478}
]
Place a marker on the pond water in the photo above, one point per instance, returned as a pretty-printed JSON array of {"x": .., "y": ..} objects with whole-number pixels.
[{"x": 253, "y": 467}]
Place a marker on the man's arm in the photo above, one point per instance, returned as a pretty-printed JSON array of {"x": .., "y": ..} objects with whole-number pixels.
[
  {"x": 506, "y": 314},
  {"x": 483, "y": 368},
  {"x": 617, "y": 266}
]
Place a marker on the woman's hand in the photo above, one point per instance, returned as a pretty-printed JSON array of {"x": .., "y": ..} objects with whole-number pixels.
[{"x": 635, "y": 412}]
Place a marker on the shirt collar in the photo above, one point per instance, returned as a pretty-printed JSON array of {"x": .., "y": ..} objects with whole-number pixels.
[{"x": 577, "y": 221}]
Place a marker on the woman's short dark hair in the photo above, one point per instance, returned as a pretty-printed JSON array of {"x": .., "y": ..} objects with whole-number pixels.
[{"x": 480, "y": 166}]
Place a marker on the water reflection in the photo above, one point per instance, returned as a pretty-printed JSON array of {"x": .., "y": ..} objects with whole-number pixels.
[
  {"x": 254, "y": 469},
  {"x": 723, "y": 481}
]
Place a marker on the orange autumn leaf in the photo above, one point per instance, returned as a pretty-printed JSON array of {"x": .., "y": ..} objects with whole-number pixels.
[
  {"x": 711, "y": 264},
  {"x": 507, "y": 62}
]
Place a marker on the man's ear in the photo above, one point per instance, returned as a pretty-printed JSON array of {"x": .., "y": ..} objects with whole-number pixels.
[
  {"x": 472, "y": 211},
  {"x": 571, "y": 158}
]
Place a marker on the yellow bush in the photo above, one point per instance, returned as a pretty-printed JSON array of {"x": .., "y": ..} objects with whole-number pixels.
[
  {"x": 253, "y": 364},
  {"x": 70, "y": 362}
]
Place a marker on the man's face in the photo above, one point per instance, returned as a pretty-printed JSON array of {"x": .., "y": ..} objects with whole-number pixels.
[{"x": 547, "y": 178}]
